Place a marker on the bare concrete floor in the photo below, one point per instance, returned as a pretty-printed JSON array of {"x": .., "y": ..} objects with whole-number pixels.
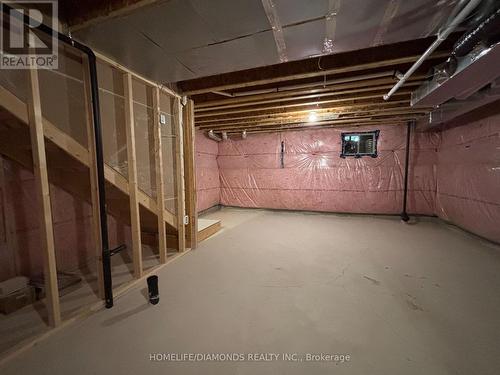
[
  {"x": 32, "y": 320},
  {"x": 398, "y": 299}
]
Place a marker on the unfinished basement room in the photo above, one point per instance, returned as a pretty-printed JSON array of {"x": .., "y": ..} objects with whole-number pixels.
[{"x": 241, "y": 187}]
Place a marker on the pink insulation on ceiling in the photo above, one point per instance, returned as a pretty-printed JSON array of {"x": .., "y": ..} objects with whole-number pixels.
[
  {"x": 314, "y": 176},
  {"x": 207, "y": 172},
  {"x": 468, "y": 188}
]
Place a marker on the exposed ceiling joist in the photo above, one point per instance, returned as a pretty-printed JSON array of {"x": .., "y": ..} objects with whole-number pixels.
[
  {"x": 327, "y": 124},
  {"x": 344, "y": 120},
  {"x": 302, "y": 118},
  {"x": 343, "y": 92},
  {"x": 309, "y": 88},
  {"x": 319, "y": 73},
  {"x": 302, "y": 104},
  {"x": 284, "y": 112},
  {"x": 302, "y": 97}
]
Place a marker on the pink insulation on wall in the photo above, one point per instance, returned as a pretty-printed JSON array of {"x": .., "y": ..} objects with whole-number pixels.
[
  {"x": 72, "y": 227},
  {"x": 315, "y": 177},
  {"x": 207, "y": 172},
  {"x": 468, "y": 185}
]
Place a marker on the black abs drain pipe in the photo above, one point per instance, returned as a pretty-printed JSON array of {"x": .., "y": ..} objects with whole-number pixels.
[
  {"x": 94, "y": 88},
  {"x": 404, "y": 214},
  {"x": 154, "y": 295}
]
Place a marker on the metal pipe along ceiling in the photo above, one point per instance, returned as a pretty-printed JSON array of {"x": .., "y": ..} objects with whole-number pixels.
[{"x": 442, "y": 35}]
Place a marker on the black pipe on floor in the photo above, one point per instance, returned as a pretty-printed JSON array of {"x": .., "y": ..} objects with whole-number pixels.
[
  {"x": 94, "y": 88},
  {"x": 404, "y": 214},
  {"x": 154, "y": 294}
]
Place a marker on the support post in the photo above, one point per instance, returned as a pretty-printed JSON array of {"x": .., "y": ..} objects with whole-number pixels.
[
  {"x": 190, "y": 174},
  {"x": 160, "y": 179},
  {"x": 135, "y": 220},
  {"x": 94, "y": 189},
  {"x": 179, "y": 173},
  {"x": 43, "y": 195},
  {"x": 404, "y": 214}
]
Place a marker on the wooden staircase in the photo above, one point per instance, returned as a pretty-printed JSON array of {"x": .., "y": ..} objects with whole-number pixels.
[{"x": 69, "y": 164}]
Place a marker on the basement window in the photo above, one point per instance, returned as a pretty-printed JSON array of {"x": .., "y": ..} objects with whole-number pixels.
[{"x": 359, "y": 144}]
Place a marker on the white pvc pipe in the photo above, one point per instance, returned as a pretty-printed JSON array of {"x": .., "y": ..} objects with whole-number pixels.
[
  {"x": 213, "y": 136},
  {"x": 442, "y": 35}
]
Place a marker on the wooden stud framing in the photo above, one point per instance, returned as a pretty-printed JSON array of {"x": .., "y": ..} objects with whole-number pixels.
[
  {"x": 135, "y": 219},
  {"x": 135, "y": 75},
  {"x": 190, "y": 174},
  {"x": 94, "y": 190},
  {"x": 179, "y": 173},
  {"x": 10, "y": 230},
  {"x": 43, "y": 193},
  {"x": 160, "y": 180},
  {"x": 15, "y": 106}
]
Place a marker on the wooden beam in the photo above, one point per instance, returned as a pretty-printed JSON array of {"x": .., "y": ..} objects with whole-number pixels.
[
  {"x": 299, "y": 127},
  {"x": 309, "y": 88},
  {"x": 179, "y": 173},
  {"x": 319, "y": 73},
  {"x": 315, "y": 103},
  {"x": 94, "y": 189},
  {"x": 15, "y": 106},
  {"x": 350, "y": 120},
  {"x": 303, "y": 114},
  {"x": 135, "y": 219},
  {"x": 18, "y": 109},
  {"x": 319, "y": 89},
  {"x": 160, "y": 180},
  {"x": 35, "y": 120},
  {"x": 135, "y": 75},
  {"x": 303, "y": 119},
  {"x": 278, "y": 113},
  {"x": 302, "y": 97},
  {"x": 190, "y": 174}
]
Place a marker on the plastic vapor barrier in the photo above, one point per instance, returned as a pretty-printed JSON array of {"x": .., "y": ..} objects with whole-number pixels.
[
  {"x": 311, "y": 175},
  {"x": 468, "y": 188},
  {"x": 207, "y": 172}
]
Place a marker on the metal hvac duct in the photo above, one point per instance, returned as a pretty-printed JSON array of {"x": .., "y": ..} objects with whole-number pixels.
[{"x": 442, "y": 35}]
